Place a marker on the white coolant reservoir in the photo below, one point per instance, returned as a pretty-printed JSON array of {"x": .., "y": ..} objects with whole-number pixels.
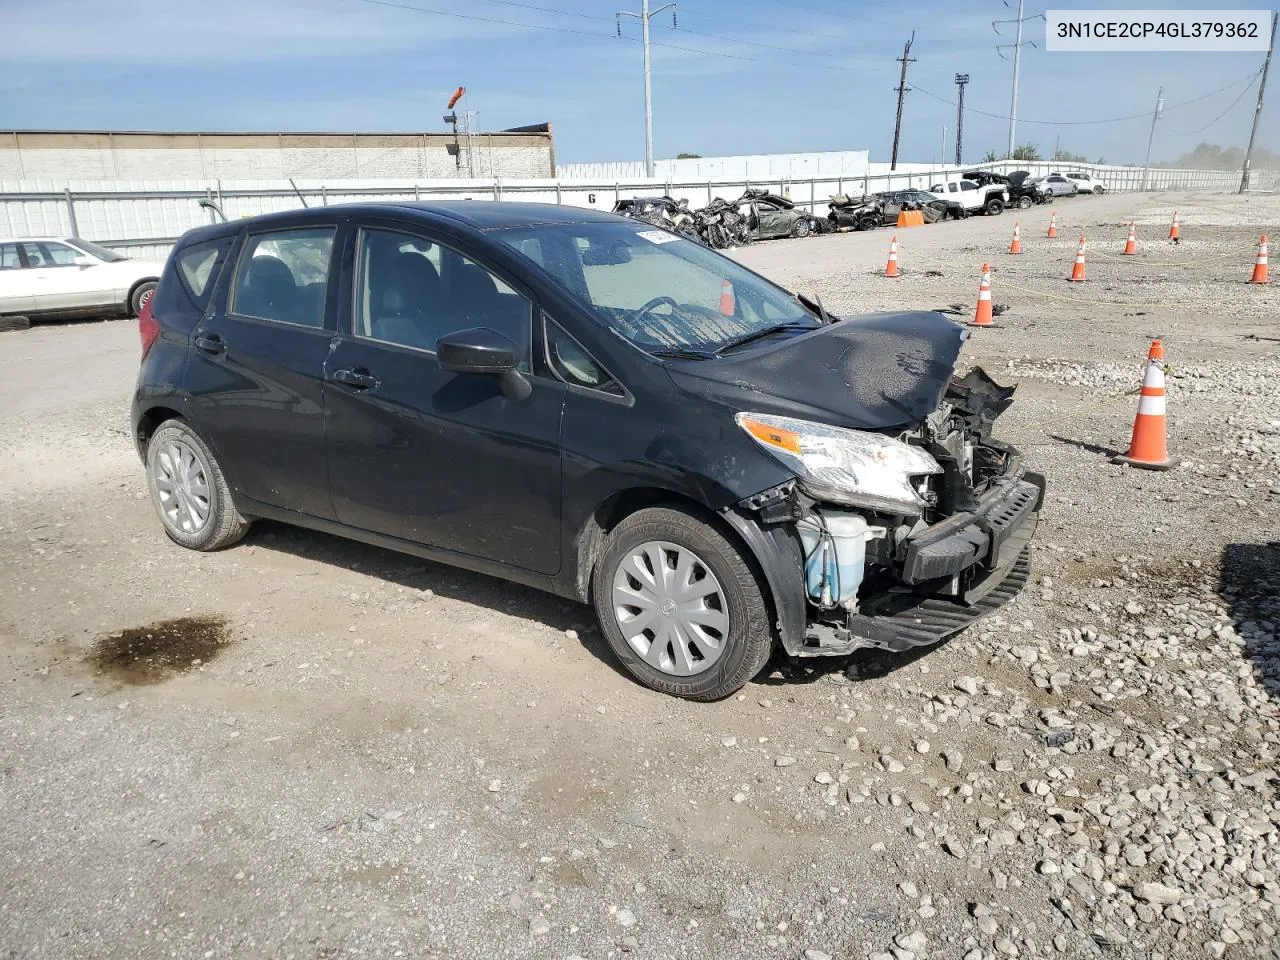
[{"x": 835, "y": 555}]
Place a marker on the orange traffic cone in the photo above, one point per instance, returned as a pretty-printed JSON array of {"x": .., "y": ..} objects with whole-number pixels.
[
  {"x": 1147, "y": 448},
  {"x": 1053, "y": 225},
  {"x": 891, "y": 268},
  {"x": 982, "y": 318},
  {"x": 1260, "y": 266},
  {"x": 1130, "y": 245},
  {"x": 1077, "y": 269},
  {"x": 1173, "y": 230},
  {"x": 728, "y": 304},
  {"x": 1016, "y": 246}
]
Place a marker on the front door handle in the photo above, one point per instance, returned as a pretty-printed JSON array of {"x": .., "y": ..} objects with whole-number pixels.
[
  {"x": 359, "y": 378},
  {"x": 210, "y": 343}
]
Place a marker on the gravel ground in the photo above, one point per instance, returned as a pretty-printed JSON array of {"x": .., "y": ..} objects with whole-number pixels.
[{"x": 334, "y": 751}]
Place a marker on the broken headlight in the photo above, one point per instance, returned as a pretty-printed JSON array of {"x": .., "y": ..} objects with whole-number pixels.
[{"x": 838, "y": 465}]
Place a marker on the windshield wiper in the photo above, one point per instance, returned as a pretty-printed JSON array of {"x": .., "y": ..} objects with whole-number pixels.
[
  {"x": 814, "y": 303},
  {"x": 761, "y": 334},
  {"x": 681, "y": 353}
]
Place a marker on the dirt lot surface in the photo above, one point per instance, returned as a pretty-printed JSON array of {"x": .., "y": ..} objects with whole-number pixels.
[{"x": 302, "y": 747}]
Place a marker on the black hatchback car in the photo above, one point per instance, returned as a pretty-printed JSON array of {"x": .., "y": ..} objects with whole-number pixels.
[{"x": 591, "y": 406}]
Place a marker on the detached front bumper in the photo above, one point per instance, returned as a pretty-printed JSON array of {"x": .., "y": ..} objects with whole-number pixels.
[{"x": 953, "y": 574}]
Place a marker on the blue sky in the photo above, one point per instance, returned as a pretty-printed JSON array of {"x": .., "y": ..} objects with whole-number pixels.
[{"x": 735, "y": 76}]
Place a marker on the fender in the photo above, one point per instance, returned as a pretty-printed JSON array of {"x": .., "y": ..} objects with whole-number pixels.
[{"x": 777, "y": 552}]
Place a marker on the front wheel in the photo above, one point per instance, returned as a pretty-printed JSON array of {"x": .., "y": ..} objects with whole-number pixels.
[
  {"x": 680, "y": 606},
  {"x": 801, "y": 228},
  {"x": 188, "y": 490},
  {"x": 994, "y": 207},
  {"x": 1024, "y": 203},
  {"x": 1099, "y": 190}
]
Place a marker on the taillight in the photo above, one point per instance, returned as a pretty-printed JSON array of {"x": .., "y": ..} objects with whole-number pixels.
[{"x": 148, "y": 326}]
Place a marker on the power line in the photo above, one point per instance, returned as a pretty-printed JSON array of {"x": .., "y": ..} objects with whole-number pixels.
[
  {"x": 563, "y": 13},
  {"x": 774, "y": 46},
  {"x": 763, "y": 26},
  {"x": 1085, "y": 123},
  {"x": 1239, "y": 97}
]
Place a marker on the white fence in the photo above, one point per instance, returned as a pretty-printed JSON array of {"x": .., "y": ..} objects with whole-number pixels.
[{"x": 145, "y": 221}]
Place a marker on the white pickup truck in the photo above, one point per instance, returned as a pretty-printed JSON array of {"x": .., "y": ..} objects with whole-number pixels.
[{"x": 991, "y": 199}]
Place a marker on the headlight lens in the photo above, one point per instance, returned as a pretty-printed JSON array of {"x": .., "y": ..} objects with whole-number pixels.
[{"x": 844, "y": 466}]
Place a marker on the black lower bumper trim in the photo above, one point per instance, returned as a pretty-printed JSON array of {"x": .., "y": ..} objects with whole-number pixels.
[{"x": 906, "y": 621}]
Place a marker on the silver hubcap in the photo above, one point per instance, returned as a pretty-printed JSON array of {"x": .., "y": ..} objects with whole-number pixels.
[
  {"x": 670, "y": 608},
  {"x": 182, "y": 487}
]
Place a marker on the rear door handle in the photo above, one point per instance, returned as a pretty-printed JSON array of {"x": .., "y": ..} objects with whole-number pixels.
[
  {"x": 210, "y": 343},
  {"x": 359, "y": 379}
]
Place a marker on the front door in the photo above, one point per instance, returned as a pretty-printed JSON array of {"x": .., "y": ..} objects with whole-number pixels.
[
  {"x": 59, "y": 282},
  {"x": 418, "y": 453},
  {"x": 256, "y": 370}
]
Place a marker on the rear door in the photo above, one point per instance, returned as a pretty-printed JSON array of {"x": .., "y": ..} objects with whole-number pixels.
[
  {"x": 255, "y": 378},
  {"x": 421, "y": 454},
  {"x": 17, "y": 287}
]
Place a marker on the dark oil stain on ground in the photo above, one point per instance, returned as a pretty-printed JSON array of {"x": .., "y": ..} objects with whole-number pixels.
[{"x": 151, "y": 654}]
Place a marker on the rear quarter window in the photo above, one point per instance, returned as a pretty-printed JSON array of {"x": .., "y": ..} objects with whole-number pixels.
[{"x": 189, "y": 281}]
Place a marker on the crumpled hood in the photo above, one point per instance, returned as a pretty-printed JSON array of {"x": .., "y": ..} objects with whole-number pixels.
[{"x": 875, "y": 372}]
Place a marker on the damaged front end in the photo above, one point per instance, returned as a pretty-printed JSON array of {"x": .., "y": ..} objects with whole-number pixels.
[{"x": 895, "y": 538}]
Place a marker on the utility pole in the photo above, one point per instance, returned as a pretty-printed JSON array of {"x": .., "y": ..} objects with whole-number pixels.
[
  {"x": 1017, "y": 45},
  {"x": 902, "y": 92},
  {"x": 942, "y": 157},
  {"x": 1257, "y": 111},
  {"x": 961, "y": 80},
  {"x": 644, "y": 17},
  {"x": 1146, "y": 166}
]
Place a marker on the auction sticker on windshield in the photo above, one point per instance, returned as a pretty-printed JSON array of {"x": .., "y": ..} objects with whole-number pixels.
[
  {"x": 1141, "y": 31},
  {"x": 657, "y": 236}
]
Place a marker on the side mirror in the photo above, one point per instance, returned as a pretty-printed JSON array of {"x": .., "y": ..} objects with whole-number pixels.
[
  {"x": 484, "y": 351},
  {"x": 83, "y": 261}
]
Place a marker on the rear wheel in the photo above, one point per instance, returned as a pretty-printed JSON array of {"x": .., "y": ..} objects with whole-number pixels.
[
  {"x": 141, "y": 296},
  {"x": 680, "y": 606},
  {"x": 188, "y": 490},
  {"x": 994, "y": 207}
]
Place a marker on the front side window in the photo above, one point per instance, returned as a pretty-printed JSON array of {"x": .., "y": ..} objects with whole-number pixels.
[
  {"x": 45, "y": 253},
  {"x": 283, "y": 276},
  {"x": 411, "y": 291},
  {"x": 658, "y": 290},
  {"x": 9, "y": 256},
  {"x": 966, "y": 185}
]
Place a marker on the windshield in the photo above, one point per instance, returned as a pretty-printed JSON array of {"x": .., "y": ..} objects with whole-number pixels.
[
  {"x": 102, "y": 253},
  {"x": 659, "y": 291}
]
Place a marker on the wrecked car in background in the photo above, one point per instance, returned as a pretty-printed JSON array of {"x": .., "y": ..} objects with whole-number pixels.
[
  {"x": 770, "y": 216},
  {"x": 660, "y": 211},
  {"x": 882, "y": 209},
  {"x": 629, "y": 419}
]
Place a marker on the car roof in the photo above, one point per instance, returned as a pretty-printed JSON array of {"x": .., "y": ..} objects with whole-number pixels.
[
  {"x": 479, "y": 214},
  {"x": 37, "y": 239}
]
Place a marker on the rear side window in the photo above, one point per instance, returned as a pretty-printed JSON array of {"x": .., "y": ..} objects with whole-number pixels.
[
  {"x": 198, "y": 266},
  {"x": 9, "y": 256},
  {"x": 283, "y": 276}
]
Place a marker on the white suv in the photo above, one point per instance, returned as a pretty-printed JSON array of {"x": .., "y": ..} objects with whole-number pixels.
[{"x": 47, "y": 277}]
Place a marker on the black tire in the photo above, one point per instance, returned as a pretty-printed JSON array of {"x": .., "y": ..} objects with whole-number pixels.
[
  {"x": 749, "y": 639},
  {"x": 1024, "y": 203},
  {"x": 801, "y": 229},
  {"x": 224, "y": 525},
  {"x": 1099, "y": 190},
  {"x": 994, "y": 207},
  {"x": 8, "y": 324},
  {"x": 141, "y": 294}
]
